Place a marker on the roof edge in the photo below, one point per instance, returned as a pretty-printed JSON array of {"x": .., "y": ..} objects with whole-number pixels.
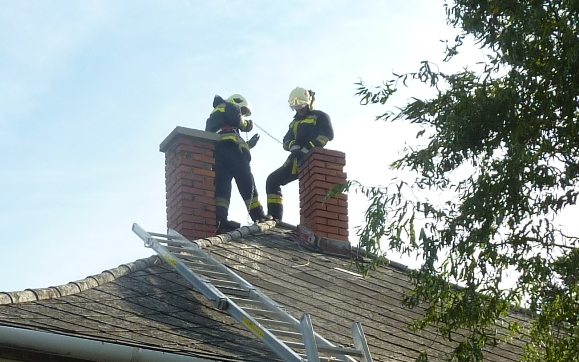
[{"x": 32, "y": 295}]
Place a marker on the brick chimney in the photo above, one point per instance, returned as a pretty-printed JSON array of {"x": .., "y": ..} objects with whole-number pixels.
[
  {"x": 189, "y": 182},
  {"x": 323, "y": 224}
]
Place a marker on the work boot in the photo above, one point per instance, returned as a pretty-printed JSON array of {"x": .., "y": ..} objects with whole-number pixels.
[
  {"x": 257, "y": 215},
  {"x": 275, "y": 211},
  {"x": 224, "y": 225},
  {"x": 264, "y": 218}
]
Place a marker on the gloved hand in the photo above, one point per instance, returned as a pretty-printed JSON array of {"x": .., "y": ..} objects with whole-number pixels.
[
  {"x": 253, "y": 141},
  {"x": 248, "y": 125},
  {"x": 295, "y": 149}
]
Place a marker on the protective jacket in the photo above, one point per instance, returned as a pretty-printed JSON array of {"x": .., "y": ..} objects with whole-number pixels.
[
  {"x": 226, "y": 119},
  {"x": 312, "y": 130}
]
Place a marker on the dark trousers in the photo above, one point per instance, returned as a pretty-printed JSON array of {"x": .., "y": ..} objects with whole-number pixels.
[
  {"x": 232, "y": 163},
  {"x": 287, "y": 173}
]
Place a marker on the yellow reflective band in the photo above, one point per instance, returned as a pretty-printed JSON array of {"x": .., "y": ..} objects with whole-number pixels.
[
  {"x": 297, "y": 124},
  {"x": 274, "y": 199},
  {"x": 218, "y": 109},
  {"x": 295, "y": 166},
  {"x": 295, "y": 127},
  {"x": 254, "y": 205},
  {"x": 232, "y": 137},
  {"x": 221, "y": 202}
]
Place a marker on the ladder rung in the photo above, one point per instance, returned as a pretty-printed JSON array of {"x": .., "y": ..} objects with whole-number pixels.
[
  {"x": 246, "y": 301},
  {"x": 292, "y": 344},
  {"x": 177, "y": 249},
  {"x": 280, "y": 332},
  {"x": 191, "y": 257},
  {"x": 340, "y": 351},
  {"x": 325, "y": 359},
  {"x": 162, "y": 235},
  {"x": 193, "y": 264},
  {"x": 234, "y": 291},
  {"x": 225, "y": 283},
  {"x": 213, "y": 274},
  {"x": 273, "y": 322},
  {"x": 164, "y": 241},
  {"x": 262, "y": 312}
]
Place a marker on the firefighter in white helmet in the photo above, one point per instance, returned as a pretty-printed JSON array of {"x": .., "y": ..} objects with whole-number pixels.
[
  {"x": 310, "y": 128},
  {"x": 232, "y": 158}
]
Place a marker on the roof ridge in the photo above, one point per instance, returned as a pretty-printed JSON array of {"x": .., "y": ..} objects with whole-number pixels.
[
  {"x": 92, "y": 281},
  {"x": 235, "y": 234}
]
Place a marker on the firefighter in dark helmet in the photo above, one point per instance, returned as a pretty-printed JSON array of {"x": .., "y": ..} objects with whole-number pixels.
[
  {"x": 232, "y": 158},
  {"x": 310, "y": 128}
]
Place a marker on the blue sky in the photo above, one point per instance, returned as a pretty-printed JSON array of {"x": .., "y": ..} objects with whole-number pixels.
[{"x": 89, "y": 89}]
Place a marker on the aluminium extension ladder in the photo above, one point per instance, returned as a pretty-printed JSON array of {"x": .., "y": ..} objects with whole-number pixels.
[{"x": 228, "y": 291}]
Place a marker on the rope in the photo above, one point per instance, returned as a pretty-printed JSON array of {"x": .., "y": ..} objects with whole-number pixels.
[
  {"x": 267, "y": 133},
  {"x": 275, "y": 139}
]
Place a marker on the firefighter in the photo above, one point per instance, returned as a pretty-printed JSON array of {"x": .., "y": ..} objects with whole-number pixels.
[
  {"x": 310, "y": 128},
  {"x": 232, "y": 159}
]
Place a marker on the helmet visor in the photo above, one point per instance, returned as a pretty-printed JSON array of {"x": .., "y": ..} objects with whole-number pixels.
[{"x": 298, "y": 106}]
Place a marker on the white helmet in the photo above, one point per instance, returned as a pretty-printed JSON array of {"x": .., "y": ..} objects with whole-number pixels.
[
  {"x": 240, "y": 101},
  {"x": 299, "y": 98}
]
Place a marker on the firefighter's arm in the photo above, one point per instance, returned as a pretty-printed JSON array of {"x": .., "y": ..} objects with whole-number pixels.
[
  {"x": 289, "y": 140},
  {"x": 212, "y": 124},
  {"x": 325, "y": 131},
  {"x": 246, "y": 125}
]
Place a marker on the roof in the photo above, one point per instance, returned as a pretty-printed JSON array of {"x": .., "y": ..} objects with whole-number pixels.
[{"x": 148, "y": 305}]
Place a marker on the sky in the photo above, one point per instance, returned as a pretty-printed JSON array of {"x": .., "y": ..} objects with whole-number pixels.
[{"x": 89, "y": 89}]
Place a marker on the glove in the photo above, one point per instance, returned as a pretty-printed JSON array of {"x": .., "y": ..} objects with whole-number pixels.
[
  {"x": 253, "y": 141},
  {"x": 295, "y": 150},
  {"x": 248, "y": 125}
]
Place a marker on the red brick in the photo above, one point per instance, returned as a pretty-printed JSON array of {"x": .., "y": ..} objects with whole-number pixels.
[
  {"x": 204, "y": 213},
  {"x": 199, "y": 171},
  {"x": 322, "y": 185},
  {"x": 204, "y": 158},
  {"x": 326, "y": 171},
  {"x": 203, "y": 200},
  {"x": 204, "y": 185},
  {"x": 335, "y": 166},
  {"x": 338, "y": 209},
  {"x": 335, "y": 180},
  {"x": 195, "y": 164}
]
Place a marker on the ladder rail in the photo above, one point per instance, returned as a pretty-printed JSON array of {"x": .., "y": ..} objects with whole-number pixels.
[{"x": 218, "y": 299}]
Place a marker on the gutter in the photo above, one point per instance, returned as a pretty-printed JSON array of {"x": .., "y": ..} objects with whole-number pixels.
[{"x": 85, "y": 349}]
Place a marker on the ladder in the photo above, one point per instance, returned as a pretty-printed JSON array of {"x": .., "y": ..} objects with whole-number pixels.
[{"x": 290, "y": 339}]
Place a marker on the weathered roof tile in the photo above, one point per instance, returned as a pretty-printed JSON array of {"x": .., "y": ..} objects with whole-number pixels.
[{"x": 146, "y": 304}]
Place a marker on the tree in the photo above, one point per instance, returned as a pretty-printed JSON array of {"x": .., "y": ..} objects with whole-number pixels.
[{"x": 505, "y": 141}]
